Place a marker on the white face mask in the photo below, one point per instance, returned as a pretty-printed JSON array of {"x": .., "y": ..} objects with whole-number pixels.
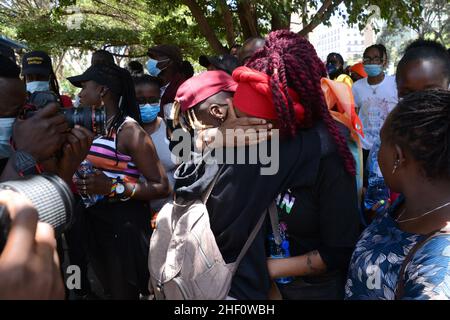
[
  {"x": 6, "y": 130},
  {"x": 38, "y": 86}
]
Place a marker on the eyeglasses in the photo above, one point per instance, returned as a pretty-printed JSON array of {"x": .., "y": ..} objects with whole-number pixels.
[
  {"x": 143, "y": 100},
  {"x": 376, "y": 60}
]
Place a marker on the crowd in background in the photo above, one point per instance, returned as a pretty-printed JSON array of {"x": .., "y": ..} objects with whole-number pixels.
[{"x": 362, "y": 190}]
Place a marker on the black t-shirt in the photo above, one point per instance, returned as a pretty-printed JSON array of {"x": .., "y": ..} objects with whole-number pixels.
[
  {"x": 323, "y": 217},
  {"x": 242, "y": 194},
  {"x": 239, "y": 198}
]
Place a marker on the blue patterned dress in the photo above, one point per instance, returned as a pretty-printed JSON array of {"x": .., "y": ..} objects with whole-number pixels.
[{"x": 378, "y": 257}]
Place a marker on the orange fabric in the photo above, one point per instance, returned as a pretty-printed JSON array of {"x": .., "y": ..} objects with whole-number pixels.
[
  {"x": 340, "y": 102},
  {"x": 359, "y": 69}
]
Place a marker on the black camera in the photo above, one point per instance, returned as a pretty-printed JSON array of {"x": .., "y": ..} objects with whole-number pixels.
[
  {"x": 91, "y": 118},
  {"x": 51, "y": 197}
]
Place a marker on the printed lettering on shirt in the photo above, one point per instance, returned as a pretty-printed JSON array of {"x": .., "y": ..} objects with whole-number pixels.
[{"x": 286, "y": 202}]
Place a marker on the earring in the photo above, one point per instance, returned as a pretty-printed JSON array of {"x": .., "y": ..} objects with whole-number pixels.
[{"x": 396, "y": 163}]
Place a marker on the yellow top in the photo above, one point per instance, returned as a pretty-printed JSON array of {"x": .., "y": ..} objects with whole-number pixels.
[{"x": 345, "y": 79}]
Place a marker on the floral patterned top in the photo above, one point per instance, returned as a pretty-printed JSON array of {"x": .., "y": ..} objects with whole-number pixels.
[{"x": 378, "y": 258}]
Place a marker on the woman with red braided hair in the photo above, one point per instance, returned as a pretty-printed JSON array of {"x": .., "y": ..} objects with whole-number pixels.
[
  {"x": 283, "y": 88},
  {"x": 320, "y": 221}
]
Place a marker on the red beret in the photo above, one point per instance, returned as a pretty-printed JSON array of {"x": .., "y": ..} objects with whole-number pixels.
[{"x": 201, "y": 87}]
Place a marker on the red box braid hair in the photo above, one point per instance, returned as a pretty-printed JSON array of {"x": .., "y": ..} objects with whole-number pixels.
[{"x": 291, "y": 61}]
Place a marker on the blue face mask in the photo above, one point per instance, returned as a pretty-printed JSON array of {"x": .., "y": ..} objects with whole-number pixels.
[
  {"x": 6, "y": 129},
  {"x": 373, "y": 70},
  {"x": 152, "y": 69},
  {"x": 149, "y": 112},
  {"x": 38, "y": 86}
]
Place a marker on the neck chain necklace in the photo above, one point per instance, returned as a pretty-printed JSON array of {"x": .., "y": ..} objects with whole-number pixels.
[
  {"x": 422, "y": 215},
  {"x": 374, "y": 88}
]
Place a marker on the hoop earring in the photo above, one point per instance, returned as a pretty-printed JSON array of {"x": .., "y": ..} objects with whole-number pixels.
[{"x": 396, "y": 163}]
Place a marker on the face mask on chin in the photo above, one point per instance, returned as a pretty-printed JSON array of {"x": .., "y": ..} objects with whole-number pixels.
[
  {"x": 6, "y": 130},
  {"x": 38, "y": 86}
]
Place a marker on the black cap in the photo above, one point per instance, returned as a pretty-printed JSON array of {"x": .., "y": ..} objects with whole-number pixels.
[
  {"x": 103, "y": 74},
  {"x": 36, "y": 62},
  {"x": 171, "y": 51},
  {"x": 224, "y": 62}
]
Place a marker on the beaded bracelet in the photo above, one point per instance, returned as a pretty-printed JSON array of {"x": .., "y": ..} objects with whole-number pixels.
[{"x": 112, "y": 194}]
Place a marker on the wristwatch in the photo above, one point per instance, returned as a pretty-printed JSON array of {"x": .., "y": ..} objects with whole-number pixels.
[
  {"x": 25, "y": 164},
  {"x": 120, "y": 189}
]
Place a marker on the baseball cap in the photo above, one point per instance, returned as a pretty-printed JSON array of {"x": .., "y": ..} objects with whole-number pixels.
[
  {"x": 36, "y": 62},
  {"x": 201, "y": 87},
  {"x": 171, "y": 51},
  {"x": 103, "y": 74}
]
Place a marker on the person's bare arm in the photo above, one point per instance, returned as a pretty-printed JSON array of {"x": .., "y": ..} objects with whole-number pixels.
[
  {"x": 134, "y": 141},
  {"x": 309, "y": 264}
]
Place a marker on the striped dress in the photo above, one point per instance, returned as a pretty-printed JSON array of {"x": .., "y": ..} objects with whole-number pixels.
[{"x": 105, "y": 157}]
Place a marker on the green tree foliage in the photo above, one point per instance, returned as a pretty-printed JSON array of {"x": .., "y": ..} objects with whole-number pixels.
[{"x": 197, "y": 26}]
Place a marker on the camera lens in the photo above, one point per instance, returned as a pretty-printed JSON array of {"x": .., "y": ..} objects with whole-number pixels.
[
  {"x": 51, "y": 197},
  {"x": 93, "y": 119}
]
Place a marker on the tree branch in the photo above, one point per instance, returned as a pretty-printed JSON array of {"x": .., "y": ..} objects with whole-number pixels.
[
  {"x": 204, "y": 26},
  {"x": 327, "y": 8}
]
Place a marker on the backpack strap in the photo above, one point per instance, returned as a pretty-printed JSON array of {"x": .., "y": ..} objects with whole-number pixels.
[
  {"x": 208, "y": 191},
  {"x": 273, "y": 215},
  {"x": 400, "y": 288},
  {"x": 249, "y": 241}
]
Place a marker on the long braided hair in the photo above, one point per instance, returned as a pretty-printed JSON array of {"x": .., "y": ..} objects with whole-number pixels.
[
  {"x": 291, "y": 61},
  {"x": 121, "y": 84},
  {"x": 421, "y": 124}
]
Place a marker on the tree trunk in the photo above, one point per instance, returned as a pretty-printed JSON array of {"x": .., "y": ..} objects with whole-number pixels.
[
  {"x": 248, "y": 19},
  {"x": 228, "y": 22},
  {"x": 281, "y": 20},
  {"x": 204, "y": 26}
]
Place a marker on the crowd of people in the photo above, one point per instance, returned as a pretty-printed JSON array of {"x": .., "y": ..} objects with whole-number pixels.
[{"x": 362, "y": 189}]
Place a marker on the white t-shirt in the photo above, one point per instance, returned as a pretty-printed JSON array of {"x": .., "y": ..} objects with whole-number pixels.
[
  {"x": 161, "y": 143},
  {"x": 374, "y": 103}
]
